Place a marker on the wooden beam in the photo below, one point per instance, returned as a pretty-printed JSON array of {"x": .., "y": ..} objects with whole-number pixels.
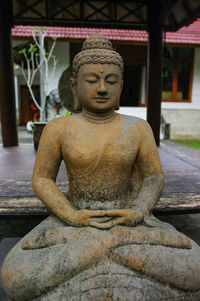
[
  {"x": 154, "y": 67},
  {"x": 7, "y": 92}
]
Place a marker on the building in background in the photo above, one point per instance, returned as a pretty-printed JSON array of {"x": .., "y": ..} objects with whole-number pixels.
[{"x": 181, "y": 72}]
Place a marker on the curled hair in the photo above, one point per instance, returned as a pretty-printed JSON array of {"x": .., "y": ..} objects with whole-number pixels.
[{"x": 96, "y": 49}]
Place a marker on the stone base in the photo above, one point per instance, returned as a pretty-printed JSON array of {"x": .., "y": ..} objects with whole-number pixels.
[
  {"x": 108, "y": 281},
  {"x": 58, "y": 262}
]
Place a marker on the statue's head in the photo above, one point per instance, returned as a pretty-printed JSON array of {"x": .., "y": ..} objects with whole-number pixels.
[{"x": 97, "y": 75}]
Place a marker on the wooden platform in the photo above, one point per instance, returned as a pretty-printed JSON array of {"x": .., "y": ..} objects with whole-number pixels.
[{"x": 176, "y": 204}]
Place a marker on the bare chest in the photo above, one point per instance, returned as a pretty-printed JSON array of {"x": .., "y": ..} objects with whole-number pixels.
[{"x": 85, "y": 148}]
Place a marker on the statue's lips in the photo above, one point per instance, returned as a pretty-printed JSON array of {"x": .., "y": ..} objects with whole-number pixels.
[{"x": 101, "y": 99}]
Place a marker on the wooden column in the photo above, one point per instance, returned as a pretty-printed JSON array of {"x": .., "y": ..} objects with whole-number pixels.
[
  {"x": 7, "y": 92},
  {"x": 154, "y": 67}
]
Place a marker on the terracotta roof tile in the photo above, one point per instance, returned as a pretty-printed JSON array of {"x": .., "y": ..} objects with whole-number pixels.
[{"x": 186, "y": 35}]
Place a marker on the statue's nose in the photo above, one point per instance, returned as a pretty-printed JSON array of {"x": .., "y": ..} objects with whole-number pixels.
[{"x": 102, "y": 89}]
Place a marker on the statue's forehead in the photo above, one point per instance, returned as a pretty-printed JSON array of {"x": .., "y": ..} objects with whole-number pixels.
[{"x": 99, "y": 69}]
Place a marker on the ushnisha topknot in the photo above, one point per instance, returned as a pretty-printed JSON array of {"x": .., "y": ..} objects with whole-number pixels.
[
  {"x": 97, "y": 42},
  {"x": 96, "y": 49}
]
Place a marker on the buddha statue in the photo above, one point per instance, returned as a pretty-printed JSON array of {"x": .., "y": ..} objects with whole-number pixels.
[{"x": 101, "y": 241}]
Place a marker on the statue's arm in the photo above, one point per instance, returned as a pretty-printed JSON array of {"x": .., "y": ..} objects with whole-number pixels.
[
  {"x": 148, "y": 161},
  {"x": 48, "y": 160}
]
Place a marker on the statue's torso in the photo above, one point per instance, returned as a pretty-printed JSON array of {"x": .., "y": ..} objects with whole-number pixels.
[{"x": 99, "y": 159}]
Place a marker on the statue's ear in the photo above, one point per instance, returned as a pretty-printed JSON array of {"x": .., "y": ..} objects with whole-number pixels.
[
  {"x": 117, "y": 104},
  {"x": 73, "y": 86}
]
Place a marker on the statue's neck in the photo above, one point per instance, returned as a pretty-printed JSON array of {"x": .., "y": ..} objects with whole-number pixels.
[{"x": 98, "y": 117}]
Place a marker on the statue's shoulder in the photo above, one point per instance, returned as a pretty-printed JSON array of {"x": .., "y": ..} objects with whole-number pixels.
[
  {"x": 136, "y": 125},
  {"x": 59, "y": 123},
  {"x": 133, "y": 120}
]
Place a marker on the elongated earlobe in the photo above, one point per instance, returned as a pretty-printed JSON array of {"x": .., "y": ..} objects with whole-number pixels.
[
  {"x": 117, "y": 106},
  {"x": 73, "y": 86}
]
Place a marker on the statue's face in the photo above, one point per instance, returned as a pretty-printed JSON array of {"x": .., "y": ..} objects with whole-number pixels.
[{"x": 99, "y": 87}]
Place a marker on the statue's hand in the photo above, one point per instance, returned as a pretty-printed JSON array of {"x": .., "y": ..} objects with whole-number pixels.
[
  {"x": 87, "y": 217},
  {"x": 129, "y": 217}
]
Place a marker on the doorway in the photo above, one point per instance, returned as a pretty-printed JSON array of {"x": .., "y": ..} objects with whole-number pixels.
[{"x": 131, "y": 91}]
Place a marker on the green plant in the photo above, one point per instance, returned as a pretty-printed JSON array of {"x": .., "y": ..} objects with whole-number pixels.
[{"x": 37, "y": 61}]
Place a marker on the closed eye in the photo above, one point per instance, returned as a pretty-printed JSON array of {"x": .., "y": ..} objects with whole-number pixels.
[
  {"x": 91, "y": 81},
  {"x": 111, "y": 82},
  {"x": 112, "y": 79}
]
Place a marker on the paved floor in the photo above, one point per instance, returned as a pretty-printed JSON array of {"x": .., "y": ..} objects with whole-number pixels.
[{"x": 181, "y": 166}]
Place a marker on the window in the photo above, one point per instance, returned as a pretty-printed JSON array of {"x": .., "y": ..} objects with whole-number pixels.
[{"x": 177, "y": 74}]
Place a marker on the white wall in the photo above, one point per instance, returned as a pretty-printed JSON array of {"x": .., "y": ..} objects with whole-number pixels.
[
  {"x": 184, "y": 123},
  {"x": 196, "y": 79},
  {"x": 61, "y": 51},
  {"x": 134, "y": 111}
]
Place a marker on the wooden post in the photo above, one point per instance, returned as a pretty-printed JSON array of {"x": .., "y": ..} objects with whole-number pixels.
[
  {"x": 7, "y": 92},
  {"x": 154, "y": 67}
]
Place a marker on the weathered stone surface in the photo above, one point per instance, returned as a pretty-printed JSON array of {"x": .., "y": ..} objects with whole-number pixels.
[
  {"x": 59, "y": 268},
  {"x": 109, "y": 281}
]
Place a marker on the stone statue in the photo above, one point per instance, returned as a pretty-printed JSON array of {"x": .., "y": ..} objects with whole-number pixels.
[{"x": 101, "y": 241}]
